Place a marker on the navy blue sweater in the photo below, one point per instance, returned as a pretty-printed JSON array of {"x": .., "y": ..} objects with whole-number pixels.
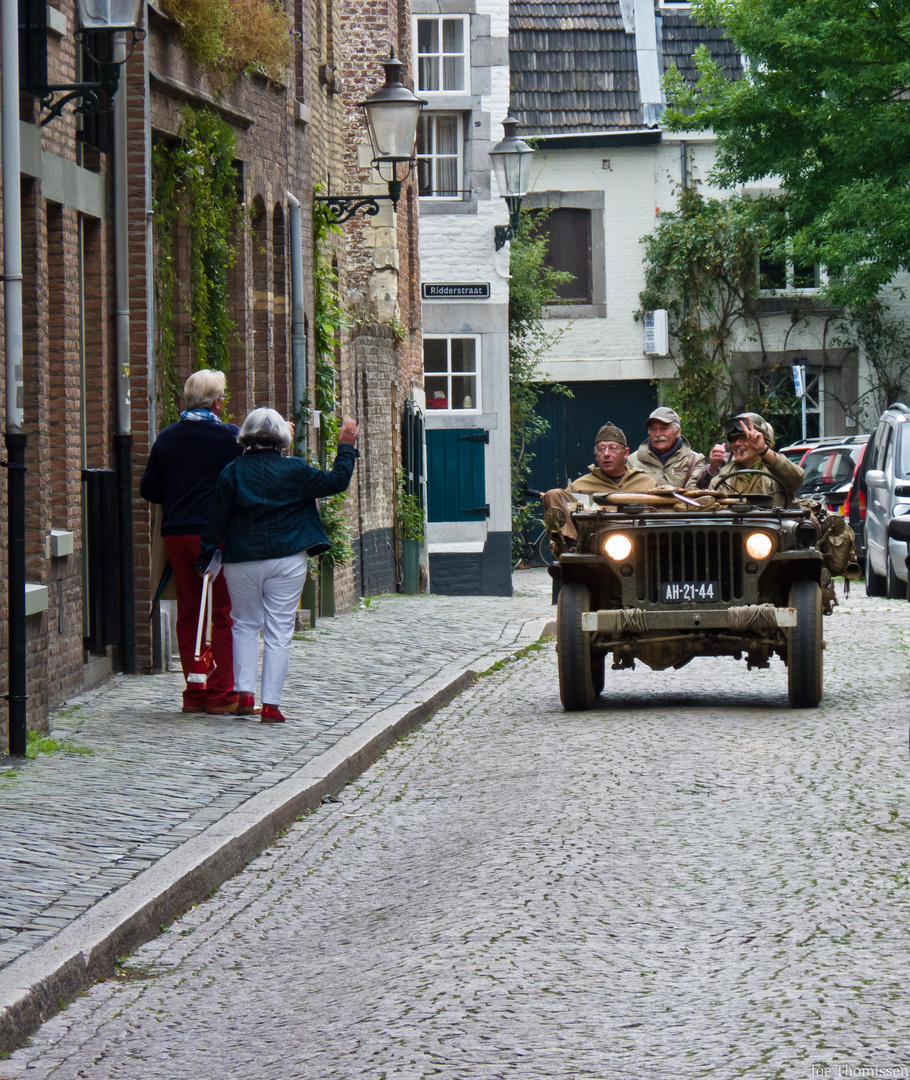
[
  {"x": 265, "y": 506},
  {"x": 182, "y": 470}
]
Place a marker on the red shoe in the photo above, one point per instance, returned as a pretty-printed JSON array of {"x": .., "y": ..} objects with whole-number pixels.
[
  {"x": 246, "y": 706},
  {"x": 270, "y": 714}
]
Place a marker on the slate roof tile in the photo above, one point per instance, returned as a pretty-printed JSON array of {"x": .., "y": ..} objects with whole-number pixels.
[{"x": 574, "y": 67}]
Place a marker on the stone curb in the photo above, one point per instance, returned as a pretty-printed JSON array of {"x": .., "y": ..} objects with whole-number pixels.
[{"x": 36, "y": 986}]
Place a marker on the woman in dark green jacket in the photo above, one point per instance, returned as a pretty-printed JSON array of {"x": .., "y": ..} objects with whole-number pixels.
[{"x": 264, "y": 513}]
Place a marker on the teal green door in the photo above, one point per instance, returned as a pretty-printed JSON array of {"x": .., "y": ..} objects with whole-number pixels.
[{"x": 456, "y": 490}]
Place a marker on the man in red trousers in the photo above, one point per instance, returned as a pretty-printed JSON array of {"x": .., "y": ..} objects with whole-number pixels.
[{"x": 183, "y": 466}]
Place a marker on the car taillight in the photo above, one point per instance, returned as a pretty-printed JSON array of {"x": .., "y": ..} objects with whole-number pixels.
[{"x": 861, "y": 503}]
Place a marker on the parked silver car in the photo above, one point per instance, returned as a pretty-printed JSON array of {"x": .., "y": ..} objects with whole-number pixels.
[{"x": 887, "y": 484}]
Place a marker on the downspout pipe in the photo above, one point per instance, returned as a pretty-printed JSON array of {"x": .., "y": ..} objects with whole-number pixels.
[
  {"x": 123, "y": 440},
  {"x": 15, "y": 436},
  {"x": 298, "y": 325}
]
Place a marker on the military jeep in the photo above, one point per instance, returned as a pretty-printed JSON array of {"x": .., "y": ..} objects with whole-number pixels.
[{"x": 667, "y": 577}]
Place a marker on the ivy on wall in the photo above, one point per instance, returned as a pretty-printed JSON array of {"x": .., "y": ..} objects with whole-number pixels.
[
  {"x": 195, "y": 183},
  {"x": 329, "y": 322}
]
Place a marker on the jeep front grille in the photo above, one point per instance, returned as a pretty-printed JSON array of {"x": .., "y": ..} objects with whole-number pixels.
[{"x": 703, "y": 555}]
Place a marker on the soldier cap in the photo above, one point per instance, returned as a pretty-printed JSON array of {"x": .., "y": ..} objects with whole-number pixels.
[{"x": 611, "y": 433}]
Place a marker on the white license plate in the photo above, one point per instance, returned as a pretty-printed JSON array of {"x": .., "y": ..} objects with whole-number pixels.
[{"x": 688, "y": 592}]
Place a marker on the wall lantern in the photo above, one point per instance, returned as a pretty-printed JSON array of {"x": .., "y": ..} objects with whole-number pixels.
[
  {"x": 392, "y": 113},
  {"x": 511, "y": 166},
  {"x": 99, "y": 21}
]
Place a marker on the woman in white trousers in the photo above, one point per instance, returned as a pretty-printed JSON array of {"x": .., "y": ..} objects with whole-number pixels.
[{"x": 264, "y": 513}]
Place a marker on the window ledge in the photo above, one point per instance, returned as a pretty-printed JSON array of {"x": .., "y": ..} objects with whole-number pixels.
[
  {"x": 439, "y": 207},
  {"x": 436, "y": 419},
  {"x": 576, "y": 311}
]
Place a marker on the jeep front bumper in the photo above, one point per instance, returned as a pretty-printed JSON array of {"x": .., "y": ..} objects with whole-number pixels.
[{"x": 747, "y": 619}]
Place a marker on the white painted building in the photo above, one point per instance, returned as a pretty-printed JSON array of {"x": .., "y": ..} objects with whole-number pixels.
[
  {"x": 586, "y": 89},
  {"x": 461, "y": 64}
]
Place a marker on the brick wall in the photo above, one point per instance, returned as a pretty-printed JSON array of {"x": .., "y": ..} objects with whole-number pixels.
[
  {"x": 273, "y": 146},
  {"x": 61, "y": 307},
  {"x": 383, "y": 361}
]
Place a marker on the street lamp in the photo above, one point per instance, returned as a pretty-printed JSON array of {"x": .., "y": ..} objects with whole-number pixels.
[
  {"x": 99, "y": 20},
  {"x": 392, "y": 113},
  {"x": 511, "y": 159}
]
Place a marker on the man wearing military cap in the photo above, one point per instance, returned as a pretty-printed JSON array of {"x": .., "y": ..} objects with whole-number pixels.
[
  {"x": 609, "y": 472},
  {"x": 665, "y": 454},
  {"x": 751, "y": 440}
]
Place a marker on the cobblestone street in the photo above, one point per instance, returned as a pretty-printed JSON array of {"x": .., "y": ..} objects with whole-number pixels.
[{"x": 691, "y": 880}]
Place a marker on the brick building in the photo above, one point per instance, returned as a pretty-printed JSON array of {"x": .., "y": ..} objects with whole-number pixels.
[
  {"x": 293, "y": 125},
  {"x": 382, "y": 370}
]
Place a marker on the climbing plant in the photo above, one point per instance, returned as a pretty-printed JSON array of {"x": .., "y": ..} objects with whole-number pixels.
[
  {"x": 700, "y": 266},
  {"x": 532, "y": 286},
  {"x": 329, "y": 322},
  {"x": 196, "y": 184}
]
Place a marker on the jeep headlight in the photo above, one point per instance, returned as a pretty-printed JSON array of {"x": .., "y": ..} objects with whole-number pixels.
[
  {"x": 617, "y": 547},
  {"x": 759, "y": 545}
]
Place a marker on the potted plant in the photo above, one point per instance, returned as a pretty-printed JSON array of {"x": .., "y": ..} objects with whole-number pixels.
[{"x": 410, "y": 520}]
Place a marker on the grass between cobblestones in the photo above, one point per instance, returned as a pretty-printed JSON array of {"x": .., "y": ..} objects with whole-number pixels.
[
  {"x": 36, "y": 744},
  {"x": 528, "y": 650}
]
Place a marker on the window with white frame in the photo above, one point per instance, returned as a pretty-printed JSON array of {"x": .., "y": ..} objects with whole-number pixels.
[
  {"x": 442, "y": 54},
  {"x": 440, "y": 140},
  {"x": 451, "y": 372}
]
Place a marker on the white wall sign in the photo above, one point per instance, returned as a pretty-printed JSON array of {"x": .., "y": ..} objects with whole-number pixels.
[{"x": 657, "y": 341}]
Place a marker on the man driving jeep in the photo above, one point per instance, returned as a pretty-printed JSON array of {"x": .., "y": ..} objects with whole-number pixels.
[
  {"x": 609, "y": 472},
  {"x": 751, "y": 440}
]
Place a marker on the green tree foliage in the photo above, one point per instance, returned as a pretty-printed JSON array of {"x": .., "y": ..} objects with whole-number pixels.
[
  {"x": 700, "y": 266},
  {"x": 196, "y": 184},
  {"x": 823, "y": 107},
  {"x": 532, "y": 286}
]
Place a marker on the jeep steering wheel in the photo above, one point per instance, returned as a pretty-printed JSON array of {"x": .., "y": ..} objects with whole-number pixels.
[{"x": 754, "y": 472}]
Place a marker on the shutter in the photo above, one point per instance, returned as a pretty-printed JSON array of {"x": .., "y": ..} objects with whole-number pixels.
[{"x": 456, "y": 490}]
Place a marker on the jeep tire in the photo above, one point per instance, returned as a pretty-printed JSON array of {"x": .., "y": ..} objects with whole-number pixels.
[
  {"x": 573, "y": 651},
  {"x": 804, "y": 647}
]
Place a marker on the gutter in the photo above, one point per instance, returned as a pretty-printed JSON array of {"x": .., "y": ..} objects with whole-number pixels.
[
  {"x": 15, "y": 436},
  {"x": 123, "y": 440},
  {"x": 585, "y": 140},
  {"x": 298, "y": 327}
]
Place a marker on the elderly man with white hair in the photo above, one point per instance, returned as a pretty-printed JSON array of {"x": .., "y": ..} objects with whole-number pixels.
[
  {"x": 183, "y": 468},
  {"x": 265, "y": 514},
  {"x": 665, "y": 454}
]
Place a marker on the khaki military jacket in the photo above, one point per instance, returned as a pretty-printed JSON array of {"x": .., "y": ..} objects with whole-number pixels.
[
  {"x": 595, "y": 481},
  {"x": 789, "y": 475},
  {"x": 677, "y": 468}
]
